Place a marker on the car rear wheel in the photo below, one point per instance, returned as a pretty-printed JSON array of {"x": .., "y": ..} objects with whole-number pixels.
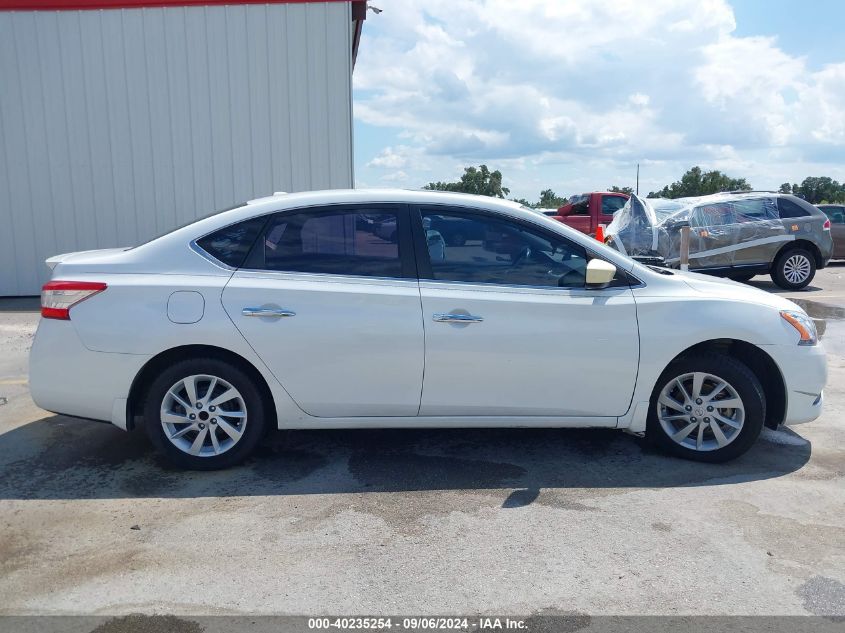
[
  {"x": 706, "y": 407},
  {"x": 204, "y": 414},
  {"x": 794, "y": 269}
]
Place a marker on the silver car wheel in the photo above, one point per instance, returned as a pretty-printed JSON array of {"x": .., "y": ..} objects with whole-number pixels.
[
  {"x": 203, "y": 415},
  {"x": 796, "y": 268},
  {"x": 700, "y": 411}
]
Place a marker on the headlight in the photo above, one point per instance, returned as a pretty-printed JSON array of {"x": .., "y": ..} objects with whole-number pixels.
[{"x": 803, "y": 324}]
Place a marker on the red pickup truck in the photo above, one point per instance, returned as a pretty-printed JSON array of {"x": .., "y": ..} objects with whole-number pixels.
[{"x": 585, "y": 211}]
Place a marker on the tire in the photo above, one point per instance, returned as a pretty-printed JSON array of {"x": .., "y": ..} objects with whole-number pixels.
[
  {"x": 702, "y": 442},
  {"x": 794, "y": 268},
  {"x": 235, "y": 435},
  {"x": 743, "y": 278}
]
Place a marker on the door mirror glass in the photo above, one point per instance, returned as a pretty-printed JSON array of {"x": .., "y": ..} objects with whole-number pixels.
[{"x": 599, "y": 273}]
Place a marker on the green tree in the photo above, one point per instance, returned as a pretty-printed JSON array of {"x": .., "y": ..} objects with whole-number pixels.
[
  {"x": 523, "y": 202},
  {"x": 550, "y": 200},
  {"x": 616, "y": 189},
  {"x": 698, "y": 183},
  {"x": 785, "y": 188},
  {"x": 479, "y": 181},
  {"x": 820, "y": 189}
]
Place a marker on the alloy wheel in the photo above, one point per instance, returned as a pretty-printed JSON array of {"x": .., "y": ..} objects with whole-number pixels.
[
  {"x": 700, "y": 411},
  {"x": 796, "y": 268},
  {"x": 203, "y": 415}
]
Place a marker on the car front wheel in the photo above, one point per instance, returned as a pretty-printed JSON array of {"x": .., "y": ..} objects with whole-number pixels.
[
  {"x": 794, "y": 269},
  {"x": 706, "y": 407},
  {"x": 204, "y": 414}
]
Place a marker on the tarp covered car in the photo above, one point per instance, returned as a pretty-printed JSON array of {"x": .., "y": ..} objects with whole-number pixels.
[{"x": 736, "y": 235}]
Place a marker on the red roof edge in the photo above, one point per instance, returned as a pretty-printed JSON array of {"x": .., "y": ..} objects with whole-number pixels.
[
  {"x": 80, "y": 5},
  {"x": 359, "y": 14}
]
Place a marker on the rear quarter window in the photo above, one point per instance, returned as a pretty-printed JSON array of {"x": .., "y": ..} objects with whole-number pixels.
[
  {"x": 788, "y": 209},
  {"x": 232, "y": 244}
]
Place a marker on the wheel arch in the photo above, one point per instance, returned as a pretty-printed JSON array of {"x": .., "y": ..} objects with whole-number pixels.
[
  {"x": 146, "y": 375},
  {"x": 806, "y": 245},
  {"x": 759, "y": 362}
]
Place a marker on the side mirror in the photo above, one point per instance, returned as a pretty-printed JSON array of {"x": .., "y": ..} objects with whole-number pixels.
[
  {"x": 599, "y": 274},
  {"x": 565, "y": 210}
]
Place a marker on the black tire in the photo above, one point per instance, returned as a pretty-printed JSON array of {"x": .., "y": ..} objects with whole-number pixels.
[
  {"x": 740, "y": 377},
  {"x": 743, "y": 278},
  {"x": 253, "y": 426},
  {"x": 788, "y": 257}
]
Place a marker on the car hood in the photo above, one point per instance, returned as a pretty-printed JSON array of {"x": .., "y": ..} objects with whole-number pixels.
[{"x": 734, "y": 290}]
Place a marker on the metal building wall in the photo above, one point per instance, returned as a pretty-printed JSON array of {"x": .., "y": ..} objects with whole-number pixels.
[{"x": 119, "y": 125}]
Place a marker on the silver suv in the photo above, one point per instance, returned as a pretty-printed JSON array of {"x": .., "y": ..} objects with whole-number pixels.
[{"x": 736, "y": 235}]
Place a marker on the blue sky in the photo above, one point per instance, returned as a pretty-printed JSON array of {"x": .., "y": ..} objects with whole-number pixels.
[{"x": 571, "y": 95}]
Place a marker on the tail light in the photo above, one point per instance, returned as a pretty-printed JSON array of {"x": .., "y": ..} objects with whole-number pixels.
[
  {"x": 826, "y": 225},
  {"x": 58, "y": 297}
]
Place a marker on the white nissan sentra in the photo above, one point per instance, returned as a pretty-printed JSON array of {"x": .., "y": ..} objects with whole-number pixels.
[{"x": 352, "y": 309}]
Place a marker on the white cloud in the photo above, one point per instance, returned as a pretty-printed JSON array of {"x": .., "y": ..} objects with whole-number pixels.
[
  {"x": 639, "y": 99},
  {"x": 588, "y": 85},
  {"x": 395, "y": 176},
  {"x": 390, "y": 158}
]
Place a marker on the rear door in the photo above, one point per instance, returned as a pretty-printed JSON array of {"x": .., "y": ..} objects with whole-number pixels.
[
  {"x": 510, "y": 329},
  {"x": 330, "y": 302},
  {"x": 579, "y": 217},
  {"x": 759, "y": 232},
  {"x": 837, "y": 229}
]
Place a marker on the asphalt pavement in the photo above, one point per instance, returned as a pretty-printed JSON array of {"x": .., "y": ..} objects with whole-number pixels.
[{"x": 421, "y": 521}]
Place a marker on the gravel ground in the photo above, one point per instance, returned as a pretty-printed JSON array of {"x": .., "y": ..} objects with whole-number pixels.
[{"x": 505, "y": 521}]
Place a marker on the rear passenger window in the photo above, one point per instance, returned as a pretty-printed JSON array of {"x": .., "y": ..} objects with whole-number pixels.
[
  {"x": 612, "y": 204},
  {"x": 338, "y": 242},
  {"x": 788, "y": 209},
  {"x": 836, "y": 214},
  {"x": 231, "y": 245}
]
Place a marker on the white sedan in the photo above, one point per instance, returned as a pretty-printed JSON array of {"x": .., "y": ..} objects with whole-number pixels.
[{"x": 292, "y": 311}]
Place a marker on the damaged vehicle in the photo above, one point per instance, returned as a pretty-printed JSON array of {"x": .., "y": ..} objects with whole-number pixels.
[{"x": 736, "y": 235}]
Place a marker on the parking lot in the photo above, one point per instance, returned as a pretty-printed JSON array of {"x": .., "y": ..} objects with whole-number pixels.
[{"x": 417, "y": 521}]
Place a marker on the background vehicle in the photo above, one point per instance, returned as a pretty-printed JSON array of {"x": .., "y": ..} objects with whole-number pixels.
[
  {"x": 287, "y": 312},
  {"x": 736, "y": 235},
  {"x": 836, "y": 214},
  {"x": 457, "y": 231},
  {"x": 585, "y": 211}
]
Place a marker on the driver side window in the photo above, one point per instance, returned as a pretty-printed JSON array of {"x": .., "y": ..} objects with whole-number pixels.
[{"x": 474, "y": 248}]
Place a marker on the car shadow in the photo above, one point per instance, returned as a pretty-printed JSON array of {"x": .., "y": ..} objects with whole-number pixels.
[{"x": 64, "y": 458}]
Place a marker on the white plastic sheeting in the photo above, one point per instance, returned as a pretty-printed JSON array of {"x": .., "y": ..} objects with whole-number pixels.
[{"x": 723, "y": 227}]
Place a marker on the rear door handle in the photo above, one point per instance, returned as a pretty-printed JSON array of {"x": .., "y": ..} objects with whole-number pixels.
[
  {"x": 441, "y": 317},
  {"x": 267, "y": 312}
]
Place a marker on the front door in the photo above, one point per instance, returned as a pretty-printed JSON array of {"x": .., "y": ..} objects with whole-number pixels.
[
  {"x": 510, "y": 329},
  {"x": 328, "y": 298}
]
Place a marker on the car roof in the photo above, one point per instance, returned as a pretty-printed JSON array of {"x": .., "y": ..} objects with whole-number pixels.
[{"x": 282, "y": 202}]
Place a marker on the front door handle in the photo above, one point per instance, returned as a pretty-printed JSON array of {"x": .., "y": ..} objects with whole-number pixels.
[
  {"x": 267, "y": 312},
  {"x": 456, "y": 318}
]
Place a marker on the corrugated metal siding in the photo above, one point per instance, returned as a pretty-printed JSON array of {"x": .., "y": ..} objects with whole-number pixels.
[{"x": 119, "y": 125}]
